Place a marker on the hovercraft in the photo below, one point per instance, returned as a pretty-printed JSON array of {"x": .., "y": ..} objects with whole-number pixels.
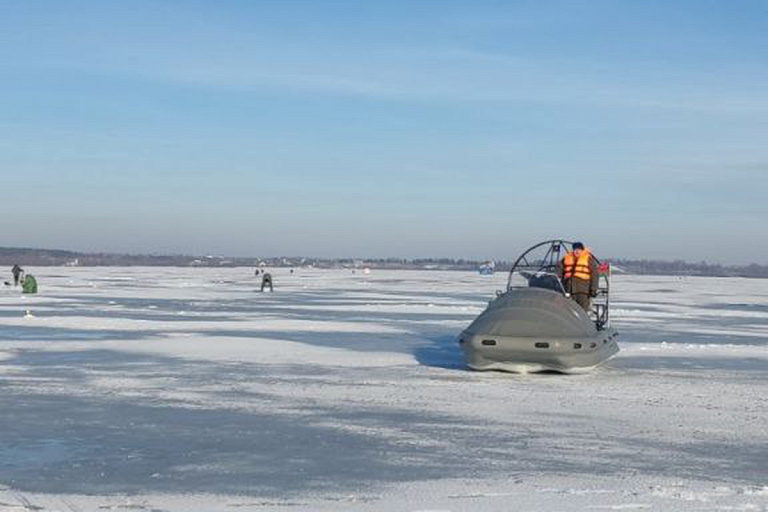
[{"x": 535, "y": 326}]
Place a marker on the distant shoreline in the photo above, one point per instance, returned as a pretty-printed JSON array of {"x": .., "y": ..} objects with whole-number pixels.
[{"x": 59, "y": 258}]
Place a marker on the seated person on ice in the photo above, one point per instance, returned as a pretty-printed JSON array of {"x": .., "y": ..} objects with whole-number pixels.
[{"x": 579, "y": 273}]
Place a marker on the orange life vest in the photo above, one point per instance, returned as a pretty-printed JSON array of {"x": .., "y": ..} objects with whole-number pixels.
[{"x": 577, "y": 267}]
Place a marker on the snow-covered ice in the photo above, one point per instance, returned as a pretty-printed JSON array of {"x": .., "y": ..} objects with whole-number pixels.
[{"x": 187, "y": 389}]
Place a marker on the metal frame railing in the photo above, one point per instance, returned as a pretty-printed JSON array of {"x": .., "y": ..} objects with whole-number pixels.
[{"x": 533, "y": 264}]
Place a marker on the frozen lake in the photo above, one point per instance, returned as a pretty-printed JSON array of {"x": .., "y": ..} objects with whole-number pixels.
[{"x": 187, "y": 389}]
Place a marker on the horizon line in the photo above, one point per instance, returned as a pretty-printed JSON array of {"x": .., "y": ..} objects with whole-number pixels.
[{"x": 354, "y": 258}]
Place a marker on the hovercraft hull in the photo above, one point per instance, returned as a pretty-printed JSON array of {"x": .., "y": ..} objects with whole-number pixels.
[{"x": 532, "y": 330}]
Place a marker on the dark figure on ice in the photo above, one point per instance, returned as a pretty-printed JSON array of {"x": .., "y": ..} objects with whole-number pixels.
[
  {"x": 17, "y": 271},
  {"x": 579, "y": 273},
  {"x": 266, "y": 281}
]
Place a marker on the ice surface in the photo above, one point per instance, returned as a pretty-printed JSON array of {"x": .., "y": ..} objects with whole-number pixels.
[{"x": 187, "y": 389}]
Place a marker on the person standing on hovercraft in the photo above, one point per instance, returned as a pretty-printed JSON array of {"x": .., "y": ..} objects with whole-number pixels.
[{"x": 578, "y": 272}]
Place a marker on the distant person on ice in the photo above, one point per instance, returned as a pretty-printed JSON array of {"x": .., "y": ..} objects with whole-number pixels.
[
  {"x": 17, "y": 271},
  {"x": 266, "y": 281},
  {"x": 579, "y": 273}
]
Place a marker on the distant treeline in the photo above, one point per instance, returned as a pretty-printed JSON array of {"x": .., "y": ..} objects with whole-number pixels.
[
  {"x": 684, "y": 268},
  {"x": 47, "y": 257}
]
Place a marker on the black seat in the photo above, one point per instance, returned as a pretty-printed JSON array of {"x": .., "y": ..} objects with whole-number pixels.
[{"x": 546, "y": 281}]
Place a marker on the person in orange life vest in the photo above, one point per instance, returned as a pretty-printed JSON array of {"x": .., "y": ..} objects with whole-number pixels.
[{"x": 578, "y": 273}]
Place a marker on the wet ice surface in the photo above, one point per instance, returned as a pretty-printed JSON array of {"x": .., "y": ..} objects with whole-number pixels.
[{"x": 187, "y": 389}]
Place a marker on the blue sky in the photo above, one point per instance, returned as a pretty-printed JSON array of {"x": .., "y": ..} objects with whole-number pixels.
[{"x": 463, "y": 129}]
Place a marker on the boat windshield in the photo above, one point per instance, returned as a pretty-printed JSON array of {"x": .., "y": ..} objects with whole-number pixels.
[{"x": 537, "y": 279}]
